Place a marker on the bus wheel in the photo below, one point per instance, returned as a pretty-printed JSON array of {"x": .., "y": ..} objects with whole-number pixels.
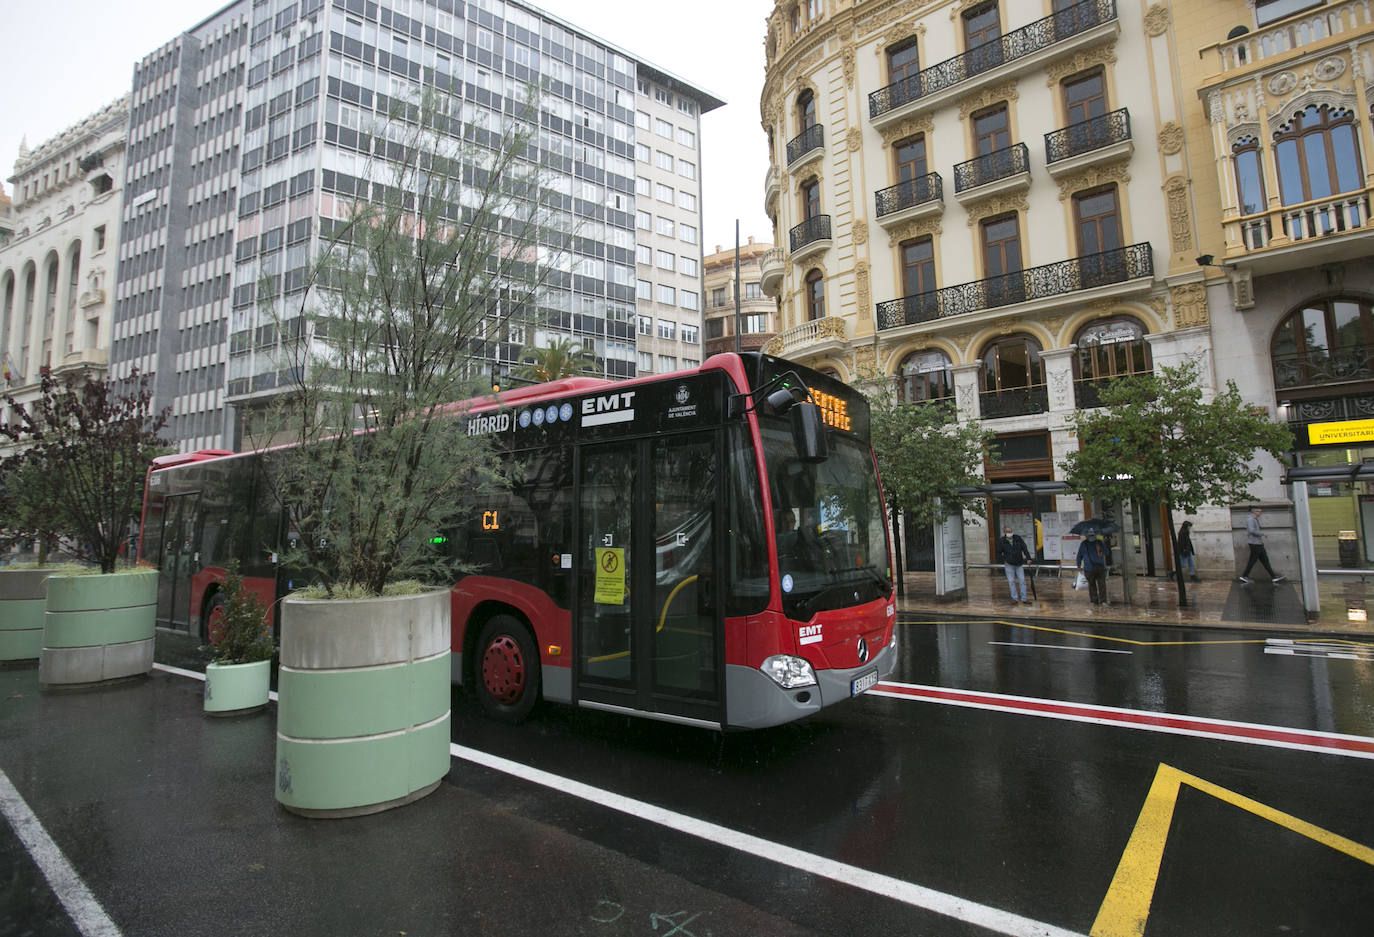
[
  {"x": 214, "y": 621},
  {"x": 507, "y": 670}
]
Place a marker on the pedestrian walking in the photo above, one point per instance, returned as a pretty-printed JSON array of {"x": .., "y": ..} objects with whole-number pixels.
[
  {"x": 1092, "y": 560},
  {"x": 1013, "y": 555},
  {"x": 1186, "y": 554},
  {"x": 1254, "y": 539}
]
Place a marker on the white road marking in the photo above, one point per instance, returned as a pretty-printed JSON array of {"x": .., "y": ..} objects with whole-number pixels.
[
  {"x": 993, "y": 919},
  {"x": 1062, "y": 647},
  {"x": 86, "y": 913}
]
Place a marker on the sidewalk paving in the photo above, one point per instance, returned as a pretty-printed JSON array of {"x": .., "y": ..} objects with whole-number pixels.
[{"x": 1213, "y": 603}]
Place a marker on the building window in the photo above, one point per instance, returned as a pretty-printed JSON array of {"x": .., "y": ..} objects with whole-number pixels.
[
  {"x": 665, "y": 226},
  {"x": 918, "y": 266},
  {"x": 1317, "y": 155},
  {"x": 815, "y": 295},
  {"x": 925, "y": 375},
  {"x": 982, "y": 30},
  {"x": 911, "y": 158},
  {"x": 690, "y": 300},
  {"x": 1267, "y": 11},
  {"x": 666, "y": 295},
  {"x": 1249, "y": 176},
  {"x": 663, "y": 128},
  {"x": 645, "y": 325},
  {"x": 646, "y": 362},
  {"x": 686, "y": 201},
  {"x": 664, "y": 161},
  {"x": 667, "y": 260},
  {"x": 1085, "y": 97},
  {"x": 688, "y": 233},
  {"x": 643, "y": 220},
  {"x": 1002, "y": 261},
  {"x": 991, "y": 130},
  {"x": 686, "y": 137},
  {"x": 691, "y": 334},
  {"x": 902, "y": 62},
  {"x": 1013, "y": 363},
  {"x": 664, "y": 193},
  {"x": 1099, "y": 221},
  {"x": 718, "y": 296},
  {"x": 644, "y": 254},
  {"x": 644, "y": 290},
  {"x": 715, "y": 328},
  {"x": 687, "y": 265},
  {"x": 666, "y": 363},
  {"x": 806, "y": 110},
  {"x": 667, "y": 330},
  {"x": 753, "y": 291},
  {"x": 1108, "y": 349},
  {"x": 1326, "y": 341},
  {"x": 811, "y": 199}
]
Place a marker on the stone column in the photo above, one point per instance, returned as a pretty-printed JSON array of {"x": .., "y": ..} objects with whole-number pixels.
[
  {"x": 966, "y": 387},
  {"x": 1059, "y": 379}
]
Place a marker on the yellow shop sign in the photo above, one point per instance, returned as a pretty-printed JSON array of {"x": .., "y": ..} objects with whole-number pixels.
[{"x": 1345, "y": 431}]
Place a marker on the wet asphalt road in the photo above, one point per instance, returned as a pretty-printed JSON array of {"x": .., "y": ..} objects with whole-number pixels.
[{"x": 987, "y": 809}]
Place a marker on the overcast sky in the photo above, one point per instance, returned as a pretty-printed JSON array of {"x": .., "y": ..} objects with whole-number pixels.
[{"x": 52, "y": 78}]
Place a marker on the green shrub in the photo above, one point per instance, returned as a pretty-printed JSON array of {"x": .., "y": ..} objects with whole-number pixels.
[{"x": 242, "y": 633}]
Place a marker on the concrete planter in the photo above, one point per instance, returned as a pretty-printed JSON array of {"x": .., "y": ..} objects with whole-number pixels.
[
  {"x": 362, "y": 703},
  {"x": 23, "y": 598},
  {"x": 98, "y": 628},
  {"x": 237, "y": 689}
]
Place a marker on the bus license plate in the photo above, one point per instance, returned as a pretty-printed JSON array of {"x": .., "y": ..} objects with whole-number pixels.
[{"x": 863, "y": 682}]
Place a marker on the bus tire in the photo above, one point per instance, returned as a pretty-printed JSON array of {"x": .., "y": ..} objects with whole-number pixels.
[
  {"x": 213, "y": 619},
  {"x": 506, "y": 670}
]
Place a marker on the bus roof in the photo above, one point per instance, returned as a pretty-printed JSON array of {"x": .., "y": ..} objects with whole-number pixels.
[{"x": 181, "y": 458}]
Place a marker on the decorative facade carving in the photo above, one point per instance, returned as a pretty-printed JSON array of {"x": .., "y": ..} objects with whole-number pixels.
[
  {"x": 1180, "y": 219},
  {"x": 1243, "y": 287},
  {"x": 1329, "y": 69},
  {"x": 993, "y": 94},
  {"x": 919, "y": 227},
  {"x": 1060, "y": 385},
  {"x": 863, "y": 295},
  {"x": 1156, "y": 19},
  {"x": 997, "y": 205},
  {"x": 865, "y": 359},
  {"x": 1094, "y": 176},
  {"x": 899, "y": 35},
  {"x": 847, "y": 62},
  {"x": 1007, "y": 324},
  {"x": 1053, "y": 324},
  {"x": 908, "y": 128},
  {"x": 1104, "y": 55},
  {"x": 1190, "y": 305},
  {"x": 889, "y": 14},
  {"x": 1171, "y": 138},
  {"x": 860, "y": 231},
  {"x": 853, "y": 139}
]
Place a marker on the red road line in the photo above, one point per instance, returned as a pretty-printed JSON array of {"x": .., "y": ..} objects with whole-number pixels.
[{"x": 1353, "y": 745}]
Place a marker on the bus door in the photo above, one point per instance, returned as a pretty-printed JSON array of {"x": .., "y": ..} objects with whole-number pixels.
[
  {"x": 649, "y": 632},
  {"x": 176, "y": 564}
]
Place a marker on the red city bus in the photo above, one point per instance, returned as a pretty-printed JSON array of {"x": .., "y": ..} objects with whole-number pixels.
[{"x": 705, "y": 547}]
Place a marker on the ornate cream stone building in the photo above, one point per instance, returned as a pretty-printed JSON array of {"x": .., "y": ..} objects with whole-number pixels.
[
  {"x": 57, "y": 268},
  {"x": 988, "y": 201},
  {"x": 757, "y": 320}
]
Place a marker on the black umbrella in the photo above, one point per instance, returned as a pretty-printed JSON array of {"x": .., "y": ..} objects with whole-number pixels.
[{"x": 1094, "y": 526}]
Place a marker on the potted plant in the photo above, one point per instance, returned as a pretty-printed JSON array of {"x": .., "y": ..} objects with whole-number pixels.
[
  {"x": 364, "y": 455},
  {"x": 240, "y": 628},
  {"x": 83, "y": 448}
]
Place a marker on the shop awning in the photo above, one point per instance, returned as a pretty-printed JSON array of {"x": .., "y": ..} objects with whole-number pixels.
[
  {"x": 1349, "y": 472},
  {"x": 1014, "y": 489}
]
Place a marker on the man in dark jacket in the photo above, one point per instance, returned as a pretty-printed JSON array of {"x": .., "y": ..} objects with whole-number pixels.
[
  {"x": 1092, "y": 559},
  {"x": 1013, "y": 555}
]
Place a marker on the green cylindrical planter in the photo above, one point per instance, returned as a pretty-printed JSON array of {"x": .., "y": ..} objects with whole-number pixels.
[
  {"x": 362, "y": 703},
  {"x": 236, "y": 689},
  {"x": 23, "y": 595},
  {"x": 98, "y": 628}
]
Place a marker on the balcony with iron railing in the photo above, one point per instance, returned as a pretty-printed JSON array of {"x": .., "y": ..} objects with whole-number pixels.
[
  {"x": 1013, "y": 401},
  {"x": 810, "y": 142},
  {"x": 1051, "y": 284},
  {"x": 1322, "y": 368},
  {"x": 810, "y": 237},
  {"x": 1090, "y": 142},
  {"x": 1022, "y": 50},
  {"x": 910, "y": 198},
  {"x": 1004, "y": 170}
]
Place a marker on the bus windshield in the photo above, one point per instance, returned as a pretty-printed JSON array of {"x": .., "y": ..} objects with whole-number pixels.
[{"x": 828, "y": 520}]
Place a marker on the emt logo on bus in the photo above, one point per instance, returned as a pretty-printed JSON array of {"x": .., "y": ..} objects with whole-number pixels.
[
  {"x": 833, "y": 410},
  {"x": 608, "y": 408}
]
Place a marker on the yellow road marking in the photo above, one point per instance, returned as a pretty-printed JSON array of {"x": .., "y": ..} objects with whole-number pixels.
[
  {"x": 1126, "y": 907},
  {"x": 1297, "y": 642}
]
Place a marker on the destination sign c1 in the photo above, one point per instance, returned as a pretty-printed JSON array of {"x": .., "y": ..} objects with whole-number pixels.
[{"x": 834, "y": 410}]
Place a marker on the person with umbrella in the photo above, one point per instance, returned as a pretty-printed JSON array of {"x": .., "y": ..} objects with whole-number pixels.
[
  {"x": 1013, "y": 555},
  {"x": 1092, "y": 560}
]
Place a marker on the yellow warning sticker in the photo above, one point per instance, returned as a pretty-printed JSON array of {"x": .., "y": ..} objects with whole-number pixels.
[{"x": 610, "y": 576}]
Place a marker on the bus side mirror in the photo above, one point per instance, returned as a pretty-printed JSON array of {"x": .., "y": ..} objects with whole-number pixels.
[{"x": 808, "y": 433}]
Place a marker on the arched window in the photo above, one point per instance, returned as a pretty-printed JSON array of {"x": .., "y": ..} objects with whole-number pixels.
[
  {"x": 815, "y": 295},
  {"x": 925, "y": 375},
  {"x": 1317, "y": 155},
  {"x": 1013, "y": 378},
  {"x": 1249, "y": 176},
  {"x": 1325, "y": 342},
  {"x": 1108, "y": 349}
]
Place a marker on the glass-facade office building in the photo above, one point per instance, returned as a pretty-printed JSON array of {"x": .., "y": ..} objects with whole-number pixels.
[{"x": 250, "y": 133}]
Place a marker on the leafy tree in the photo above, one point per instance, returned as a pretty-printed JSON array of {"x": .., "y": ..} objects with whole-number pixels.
[
  {"x": 86, "y": 445},
  {"x": 1154, "y": 439},
  {"x": 411, "y": 294},
  {"x": 562, "y": 358},
  {"x": 925, "y": 455}
]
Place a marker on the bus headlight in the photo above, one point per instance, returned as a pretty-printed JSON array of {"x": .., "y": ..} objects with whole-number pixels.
[{"x": 789, "y": 672}]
